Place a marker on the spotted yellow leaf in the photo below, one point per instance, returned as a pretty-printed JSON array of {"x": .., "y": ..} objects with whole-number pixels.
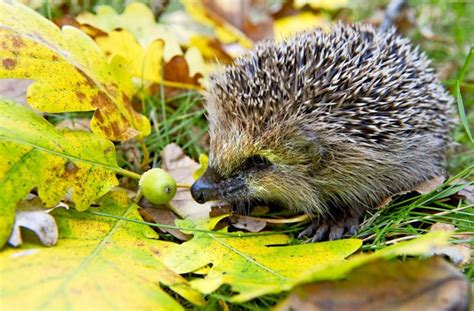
[
  {"x": 425, "y": 245},
  {"x": 57, "y": 162},
  {"x": 258, "y": 265},
  {"x": 253, "y": 266},
  {"x": 69, "y": 70},
  {"x": 99, "y": 263}
]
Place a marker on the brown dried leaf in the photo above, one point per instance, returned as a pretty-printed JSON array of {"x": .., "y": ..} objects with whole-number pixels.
[
  {"x": 431, "y": 284},
  {"x": 459, "y": 254},
  {"x": 468, "y": 193},
  {"x": 90, "y": 30},
  {"x": 238, "y": 14},
  {"x": 15, "y": 89},
  {"x": 429, "y": 185},
  {"x": 75, "y": 124},
  {"x": 31, "y": 214},
  {"x": 162, "y": 215},
  {"x": 422, "y": 188},
  {"x": 177, "y": 70},
  {"x": 251, "y": 224}
]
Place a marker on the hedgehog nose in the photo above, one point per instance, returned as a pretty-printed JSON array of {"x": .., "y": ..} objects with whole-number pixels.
[{"x": 201, "y": 190}]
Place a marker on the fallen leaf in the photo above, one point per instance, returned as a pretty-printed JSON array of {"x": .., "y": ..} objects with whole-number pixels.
[
  {"x": 75, "y": 124},
  {"x": 256, "y": 224},
  {"x": 57, "y": 162},
  {"x": 250, "y": 264},
  {"x": 211, "y": 49},
  {"x": 321, "y": 4},
  {"x": 424, "y": 187},
  {"x": 290, "y": 25},
  {"x": 132, "y": 155},
  {"x": 177, "y": 70},
  {"x": 146, "y": 45},
  {"x": 138, "y": 20},
  {"x": 422, "y": 245},
  {"x": 203, "y": 162},
  {"x": 239, "y": 13},
  {"x": 429, "y": 185},
  {"x": 145, "y": 63},
  {"x": 99, "y": 263},
  {"x": 181, "y": 168},
  {"x": 70, "y": 72},
  {"x": 224, "y": 31},
  {"x": 162, "y": 215},
  {"x": 32, "y": 215},
  {"x": 468, "y": 193},
  {"x": 246, "y": 223},
  {"x": 14, "y": 89},
  {"x": 459, "y": 254},
  {"x": 90, "y": 30},
  {"x": 430, "y": 284},
  {"x": 34, "y": 4}
]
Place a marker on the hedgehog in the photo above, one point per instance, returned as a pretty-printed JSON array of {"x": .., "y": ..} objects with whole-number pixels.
[{"x": 330, "y": 124}]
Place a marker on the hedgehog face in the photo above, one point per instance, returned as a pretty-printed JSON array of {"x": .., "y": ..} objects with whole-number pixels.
[{"x": 275, "y": 169}]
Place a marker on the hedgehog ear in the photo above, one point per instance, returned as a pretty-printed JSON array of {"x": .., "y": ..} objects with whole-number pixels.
[{"x": 313, "y": 143}]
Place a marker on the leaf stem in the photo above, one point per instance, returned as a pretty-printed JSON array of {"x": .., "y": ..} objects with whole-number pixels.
[
  {"x": 127, "y": 173},
  {"x": 146, "y": 154},
  {"x": 187, "y": 186}
]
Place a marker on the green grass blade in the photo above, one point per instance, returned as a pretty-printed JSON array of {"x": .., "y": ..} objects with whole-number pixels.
[{"x": 462, "y": 111}]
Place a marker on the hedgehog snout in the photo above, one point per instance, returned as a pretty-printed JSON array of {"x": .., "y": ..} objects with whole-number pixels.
[
  {"x": 210, "y": 186},
  {"x": 202, "y": 190}
]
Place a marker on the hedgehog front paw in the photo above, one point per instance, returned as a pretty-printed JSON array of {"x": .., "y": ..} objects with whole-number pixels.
[{"x": 323, "y": 229}]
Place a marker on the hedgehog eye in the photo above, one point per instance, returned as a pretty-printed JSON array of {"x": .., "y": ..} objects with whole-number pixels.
[{"x": 256, "y": 162}]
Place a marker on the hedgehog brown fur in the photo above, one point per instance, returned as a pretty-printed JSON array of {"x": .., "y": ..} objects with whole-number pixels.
[{"x": 329, "y": 124}]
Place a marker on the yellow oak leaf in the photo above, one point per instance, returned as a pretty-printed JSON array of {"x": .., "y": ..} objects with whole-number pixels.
[
  {"x": 70, "y": 72},
  {"x": 258, "y": 265},
  {"x": 137, "y": 19},
  {"x": 100, "y": 262},
  {"x": 423, "y": 245},
  {"x": 55, "y": 161},
  {"x": 250, "y": 264},
  {"x": 196, "y": 62},
  {"x": 144, "y": 63},
  {"x": 145, "y": 44}
]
